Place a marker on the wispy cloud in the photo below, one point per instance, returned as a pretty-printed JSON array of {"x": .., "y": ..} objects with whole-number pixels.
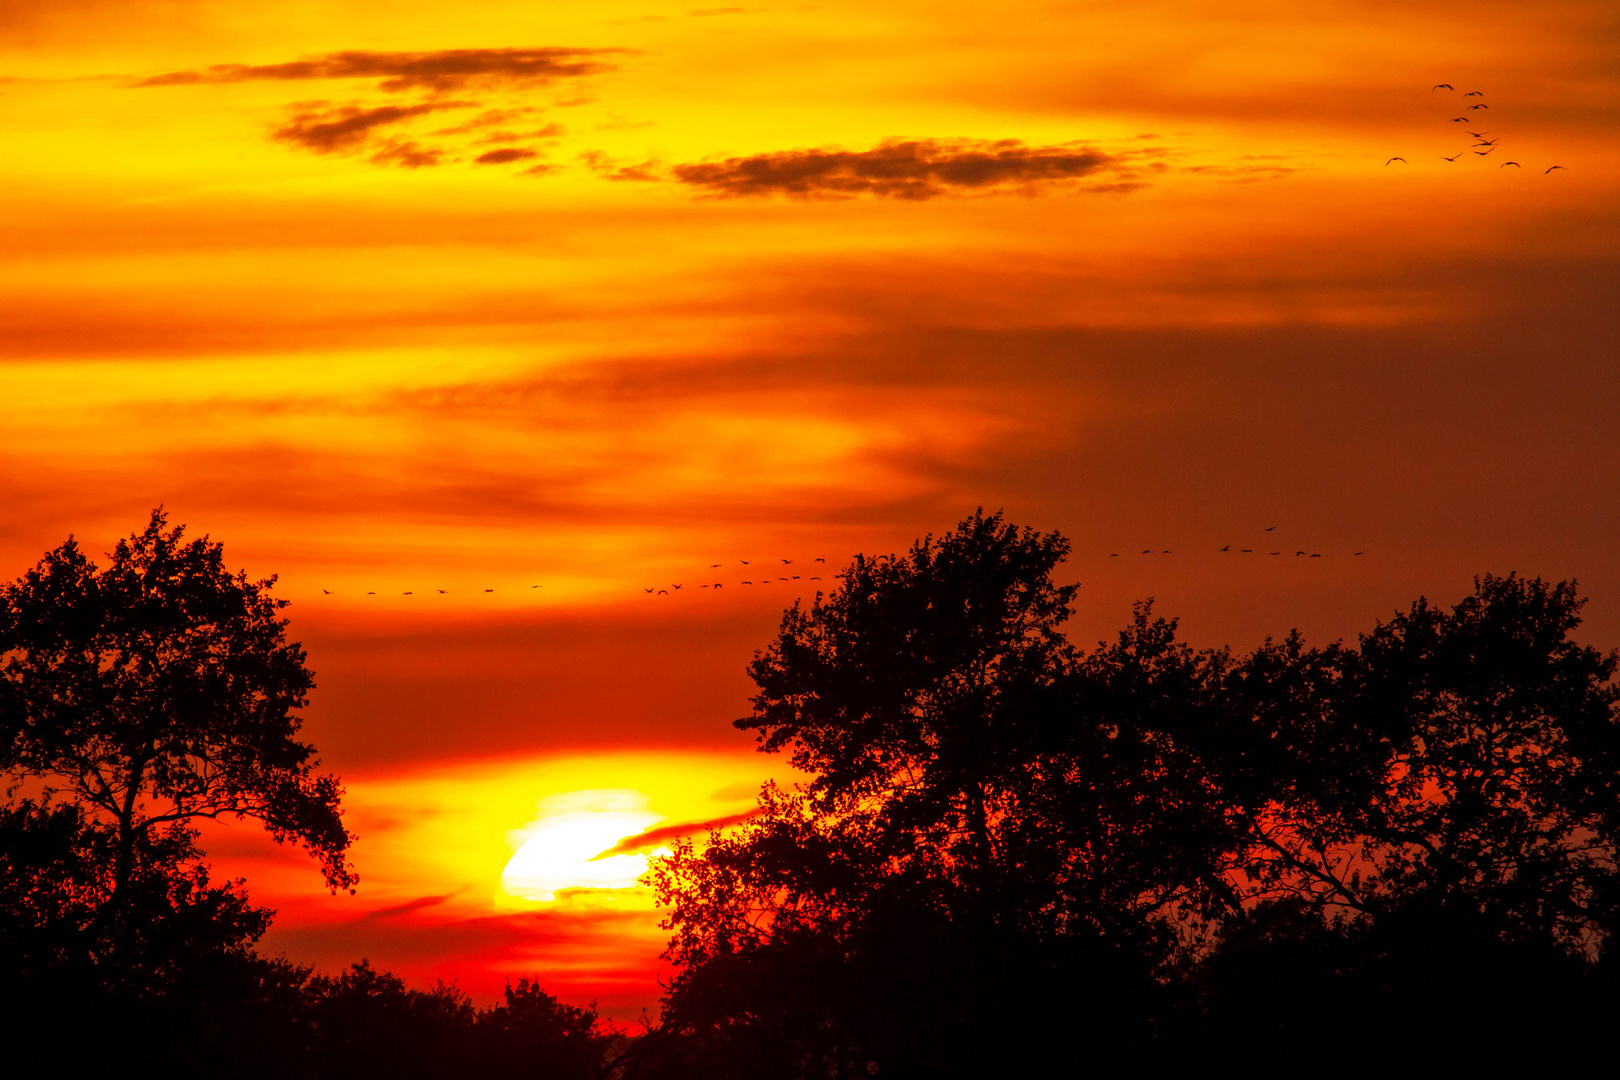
[
  {"x": 327, "y": 129},
  {"x": 609, "y": 168},
  {"x": 410, "y": 907},
  {"x": 358, "y": 128},
  {"x": 904, "y": 169},
  {"x": 664, "y": 833},
  {"x": 440, "y": 70},
  {"x": 406, "y": 153},
  {"x": 489, "y": 118},
  {"x": 506, "y": 154}
]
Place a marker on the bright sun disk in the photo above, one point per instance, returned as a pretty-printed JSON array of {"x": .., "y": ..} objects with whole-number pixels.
[{"x": 557, "y": 850}]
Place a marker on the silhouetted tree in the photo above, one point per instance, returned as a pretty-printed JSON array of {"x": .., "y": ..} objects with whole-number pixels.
[
  {"x": 136, "y": 699},
  {"x": 915, "y": 683},
  {"x": 980, "y": 846},
  {"x": 1431, "y": 829},
  {"x": 367, "y": 1022},
  {"x": 182, "y": 946},
  {"x": 159, "y": 690},
  {"x": 1148, "y": 850},
  {"x": 1466, "y": 761},
  {"x": 56, "y": 873},
  {"x": 531, "y": 1033}
]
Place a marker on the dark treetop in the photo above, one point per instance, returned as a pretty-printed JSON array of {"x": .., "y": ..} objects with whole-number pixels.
[{"x": 158, "y": 690}]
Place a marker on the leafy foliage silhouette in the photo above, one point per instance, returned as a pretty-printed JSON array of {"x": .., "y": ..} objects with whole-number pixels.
[
  {"x": 158, "y": 691},
  {"x": 136, "y": 699},
  {"x": 1146, "y": 850},
  {"x": 1009, "y": 855}
]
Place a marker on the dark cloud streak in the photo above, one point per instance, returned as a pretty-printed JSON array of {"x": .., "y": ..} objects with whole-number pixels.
[
  {"x": 407, "y": 154},
  {"x": 328, "y": 130},
  {"x": 655, "y": 837},
  {"x": 505, "y": 154},
  {"x": 902, "y": 169},
  {"x": 444, "y": 69}
]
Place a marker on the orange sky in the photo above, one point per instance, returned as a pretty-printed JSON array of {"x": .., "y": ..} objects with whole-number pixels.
[{"x": 778, "y": 282}]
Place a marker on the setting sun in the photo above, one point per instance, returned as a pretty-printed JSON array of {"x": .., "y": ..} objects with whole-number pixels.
[{"x": 560, "y": 849}]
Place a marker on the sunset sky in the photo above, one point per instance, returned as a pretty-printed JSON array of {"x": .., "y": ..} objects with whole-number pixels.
[{"x": 395, "y": 298}]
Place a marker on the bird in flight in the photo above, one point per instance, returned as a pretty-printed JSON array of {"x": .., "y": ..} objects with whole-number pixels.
[
  {"x": 1459, "y": 119},
  {"x": 748, "y": 583},
  {"x": 1479, "y": 134},
  {"x": 663, "y": 592},
  {"x": 1544, "y": 173},
  {"x": 489, "y": 590},
  {"x": 1166, "y": 551},
  {"x": 785, "y": 562},
  {"x": 1147, "y": 551},
  {"x": 1248, "y": 551},
  {"x": 1475, "y": 93},
  {"x": 371, "y": 594},
  {"x": 1361, "y": 553},
  {"x": 818, "y": 558},
  {"x": 743, "y": 561},
  {"x": 1505, "y": 164},
  {"x": 713, "y": 566},
  {"x": 1276, "y": 553},
  {"x": 1481, "y": 105},
  {"x": 1393, "y": 160},
  {"x": 1443, "y": 86},
  {"x": 1316, "y": 555},
  {"x": 1228, "y": 547},
  {"x": 815, "y": 579},
  {"x": 1453, "y": 157},
  {"x": 1298, "y": 553},
  {"x": 1269, "y": 528},
  {"x": 675, "y": 586},
  {"x": 534, "y": 586},
  {"x": 1482, "y": 153},
  {"x": 439, "y": 591},
  {"x": 407, "y": 592},
  {"x": 1114, "y": 555},
  {"x": 718, "y": 585},
  {"x": 1484, "y": 141},
  {"x": 328, "y": 592}
]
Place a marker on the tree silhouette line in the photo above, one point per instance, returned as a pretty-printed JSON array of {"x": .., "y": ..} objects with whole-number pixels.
[{"x": 1012, "y": 856}]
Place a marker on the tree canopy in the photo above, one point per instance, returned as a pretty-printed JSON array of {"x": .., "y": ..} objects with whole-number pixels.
[
  {"x": 1009, "y": 855},
  {"x": 158, "y": 690},
  {"x": 1000, "y": 831},
  {"x": 135, "y": 699},
  {"x": 1463, "y": 761}
]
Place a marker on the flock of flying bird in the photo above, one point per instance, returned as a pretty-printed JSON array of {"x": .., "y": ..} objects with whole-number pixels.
[
  {"x": 760, "y": 578},
  {"x": 763, "y": 580},
  {"x": 1479, "y": 136},
  {"x": 1242, "y": 550},
  {"x": 412, "y": 592}
]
